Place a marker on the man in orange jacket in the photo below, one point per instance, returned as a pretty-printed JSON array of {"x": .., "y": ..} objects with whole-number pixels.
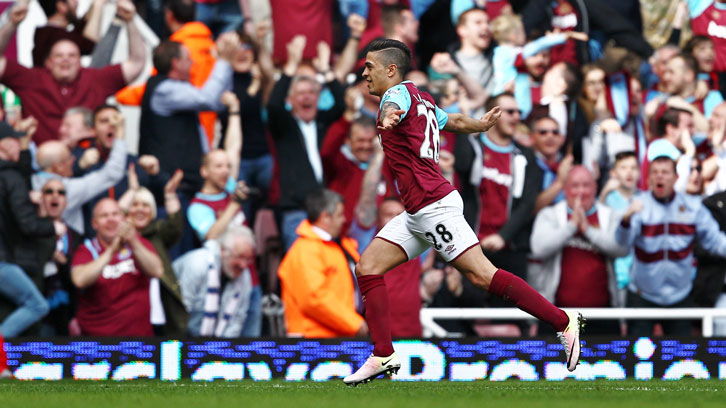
[
  {"x": 318, "y": 289},
  {"x": 179, "y": 17}
]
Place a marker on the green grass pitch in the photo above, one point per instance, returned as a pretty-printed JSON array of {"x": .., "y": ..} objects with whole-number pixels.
[{"x": 379, "y": 394}]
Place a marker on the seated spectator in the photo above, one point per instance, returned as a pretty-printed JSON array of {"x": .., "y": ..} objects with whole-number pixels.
[
  {"x": 619, "y": 191},
  {"x": 112, "y": 273},
  {"x": 663, "y": 226},
  {"x": 59, "y": 290},
  {"x": 316, "y": 275},
  {"x": 298, "y": 133},
  {"x": 548, "y": 143},
  {"x": 574, "y": 242},
  {"x": 46, "y": 93},
  {"x": 216, "y": 283},
  {"x": 55, "y": 159},
  {"x": 140, "y": 208},
  {"x": 170, "y": 127},
  {"x": 62, "y": 16}
]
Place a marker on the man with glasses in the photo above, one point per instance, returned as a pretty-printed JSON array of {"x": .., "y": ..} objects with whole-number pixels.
[
  {"x": 501, "y": 181},
  {"x": 547, "y": 142}
]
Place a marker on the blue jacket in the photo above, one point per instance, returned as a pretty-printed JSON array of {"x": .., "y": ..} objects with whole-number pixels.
[{"x": 664, "y": 236}]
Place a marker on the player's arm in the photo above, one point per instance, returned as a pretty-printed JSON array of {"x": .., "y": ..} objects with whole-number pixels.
[{"x": 459, "y": 123}]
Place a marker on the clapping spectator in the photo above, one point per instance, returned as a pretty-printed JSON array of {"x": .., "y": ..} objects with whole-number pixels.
[
  {"x": 140, "y": 207},
  {"x": 112, "y": 272}
]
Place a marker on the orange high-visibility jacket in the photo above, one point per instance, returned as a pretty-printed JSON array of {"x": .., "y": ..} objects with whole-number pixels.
[
  {"x": 317, "y": 286},
  {"x": 198, "y": 39}
]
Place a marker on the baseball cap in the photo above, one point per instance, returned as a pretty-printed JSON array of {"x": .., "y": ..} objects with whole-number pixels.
[
  {"x": 663, "y": 148},
  {"x": 7, "y": 131}
]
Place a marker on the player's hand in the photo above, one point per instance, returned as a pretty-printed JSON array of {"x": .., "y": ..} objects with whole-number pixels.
[
  {"x": 493, "y": 242},
  {"x": 490, "y": 118},
  {"x": 391, "y": 119}
]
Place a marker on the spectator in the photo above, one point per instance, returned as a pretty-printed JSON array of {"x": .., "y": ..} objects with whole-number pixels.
[
  {"x": 216, "y": 283},
  {"x": 528, "y": 84},
  {"x": 76, "y": 127},
  {"x": 501, "y": 181},
  {"x": 59, "y": 290},
  {"x": 316, "y": 275},
  {"x": 474, "y": 53},
  {"x": 584, "y": 16},
  {"x": 61, "y": 16},
  {"x": 708, "y": 19},
  {"x": 619, "y": 191},
  {"x": 675, "y": 128},
  {"x": 399, "y": 23},
  {"x": 46, "y": 93},
  {"x": 179, "y": 18},
  {"x": 170, "y": 128},
  {"x": 55, "y": 159},
  {"x": 680, "y": 79},
  {"x": 108, "y": 125},
  {"x": 298, "y": 133},
  {"x": 112, "y": 272},
  {"x": 20, "y": 226},
  {"x": 372, "y": 212},
  {"x": 702, "y": 49},
  {"x": 140, "y": 207},
  {"x": 346, "y": 154},
  {"x": 251, "y": 83},
  {"x": 547, "y": 142},
  {"x": 663, "y": 226},
  {"x": 658, "y": 62},
  {"x": 223, "y": 15},
  {"x": 574, "y": 241}
]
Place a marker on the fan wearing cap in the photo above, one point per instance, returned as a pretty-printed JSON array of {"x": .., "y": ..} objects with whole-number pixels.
[{"x": 662, "y": 226}]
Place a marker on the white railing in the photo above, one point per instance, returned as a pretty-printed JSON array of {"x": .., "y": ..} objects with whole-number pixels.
[{"x": 433, "y": 329}]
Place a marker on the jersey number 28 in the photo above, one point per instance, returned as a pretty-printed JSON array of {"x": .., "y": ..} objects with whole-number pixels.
[{"x": 431, "y": 134}]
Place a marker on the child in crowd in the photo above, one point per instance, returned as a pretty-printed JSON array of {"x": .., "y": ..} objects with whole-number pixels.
[{"x": 617, "y": 194}]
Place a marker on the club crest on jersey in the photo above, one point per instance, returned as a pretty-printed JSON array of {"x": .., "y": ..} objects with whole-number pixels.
[
  {"x": 124, "y": 253},
  {"x": 391, "y": 92}
]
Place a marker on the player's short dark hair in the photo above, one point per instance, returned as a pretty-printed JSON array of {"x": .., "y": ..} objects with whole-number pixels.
[
  {"x": 49, "y": 6},
  {"x": 671, "y": 116},
  {"x": 392, "y": 52},
  {"x": 319, "y": 201},
  {"x": 494, "y": 100},
  {"x": 620, "y": 156},
  {"x": 103, "y": 107},
  {"x": 166, "y": 51},
  {"x": 182, "y": 10}
]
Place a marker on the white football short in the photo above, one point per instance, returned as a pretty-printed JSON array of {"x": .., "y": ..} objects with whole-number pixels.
[{"x": 440, "y": 225}]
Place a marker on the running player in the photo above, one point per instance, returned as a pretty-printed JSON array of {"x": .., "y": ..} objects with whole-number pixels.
[{"x": 408, "y": 123}]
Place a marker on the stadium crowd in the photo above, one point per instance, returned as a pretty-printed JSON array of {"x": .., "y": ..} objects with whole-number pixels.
[{"x": 258, "y": 180}]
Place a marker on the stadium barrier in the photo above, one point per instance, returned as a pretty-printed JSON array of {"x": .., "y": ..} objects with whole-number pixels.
[
  {"x": 433, "y": 329},
  {"x": 466, "y": 359}
]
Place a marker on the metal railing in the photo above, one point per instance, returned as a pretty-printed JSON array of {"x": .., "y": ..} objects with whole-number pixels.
[{"x": 433, "y": 329}]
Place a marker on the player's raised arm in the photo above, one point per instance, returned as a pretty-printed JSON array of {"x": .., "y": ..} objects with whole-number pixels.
[
  {"x": 390, "y": 115},
  {"x": 459, "y": 123}
]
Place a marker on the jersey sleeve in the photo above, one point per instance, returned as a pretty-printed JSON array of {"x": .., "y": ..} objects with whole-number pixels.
[
  {"x": 398, "y": 95},
  {"x": 442, "y": 117},
  {"x": 697, "y": 7},
  {"x": 201, "y": 218}
]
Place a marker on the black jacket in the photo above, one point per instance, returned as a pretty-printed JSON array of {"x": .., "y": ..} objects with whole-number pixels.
[
  {"x": 517, "y": 229},
  {"x": 593, "y": 15},
  {"x": 709, "y": 281},
  {"x": 19, "y": 218},
  {"x": 297, "y": 178}
]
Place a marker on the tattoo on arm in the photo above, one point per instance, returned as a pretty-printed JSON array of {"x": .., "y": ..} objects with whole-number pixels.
[{"x": 387, "y": 107}]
